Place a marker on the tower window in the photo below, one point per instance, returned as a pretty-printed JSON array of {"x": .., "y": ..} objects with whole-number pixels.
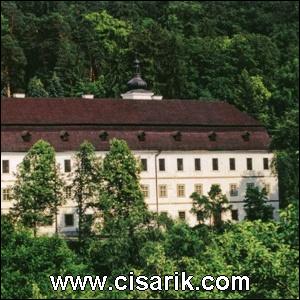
[
  {"x": 249, "y": 164},
  {"x": 232, "y": 164},
  {"x": 179, "y": 164},
  {"x": 215, "y": 164}
]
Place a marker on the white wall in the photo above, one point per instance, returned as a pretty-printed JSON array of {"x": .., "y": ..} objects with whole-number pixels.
[{"x": 171, "y": 177}]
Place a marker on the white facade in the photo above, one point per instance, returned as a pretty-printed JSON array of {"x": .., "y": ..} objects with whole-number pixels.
[{"x": 171, "y": 202}]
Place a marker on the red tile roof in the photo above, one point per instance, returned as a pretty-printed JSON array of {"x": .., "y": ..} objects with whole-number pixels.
[
  {"x": 112, "y": 111},
  {"x": 84, "y": 119}
]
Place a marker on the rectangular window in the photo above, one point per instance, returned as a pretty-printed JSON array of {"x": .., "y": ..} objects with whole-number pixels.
[
  {"x": 249, "y": 164},
  {"x": 199, "y": 189},
  {"x": 181, "y": 215},
  {"x": 232, "y": 164},
  {"x": 67, "y": 165},
  {"x": 235, "y": 214},
  {"x": 69, "y": 220},
  {"x": 180, "y": 190},
  {"x": 68, "y": 192},
  {"x": 5, "y": 166},
  {"x": 162, "y": 166},
  {"x": 89, "y": 218},
  {"x": 163, "y": 191},
  {"x": 48, "y": 221},
  {"x": 197, "y": 164},
  {"x": 267, "y": 188},
  {"x": 250, "y": 185},
  {"x": 215, "y": 164},
  {"x": 164, "y": 214},
  {"x": 199, "y": 216},
  {"x": 145, "y": 190},
  {"x": 144, "y": 164},
  {"x": 234, "y": 190},
  {"x": 6, "y": 194},
  {"x": 179, "y": 164},
  {"x": 266, "y": 163}
]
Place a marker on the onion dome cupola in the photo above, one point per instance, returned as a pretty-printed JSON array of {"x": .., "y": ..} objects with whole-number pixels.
[
  {"x": 137, "y": 82},
  {"x": 138, "y": 87}
]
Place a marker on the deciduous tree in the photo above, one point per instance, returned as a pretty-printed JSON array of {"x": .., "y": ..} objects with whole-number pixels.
[
  {"x": 85, "y": 187},
  {"x": 256, "y": 206},
  {"x": 38, "y": 190}
]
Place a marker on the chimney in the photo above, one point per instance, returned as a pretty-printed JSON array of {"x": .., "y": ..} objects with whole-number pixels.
[
  {"x": 87, "y": 96},
  {"x": 19, "y": 95}
]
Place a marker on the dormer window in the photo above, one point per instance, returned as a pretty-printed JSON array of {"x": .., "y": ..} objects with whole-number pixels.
[
  {"x": 64, "y": 135},
  {"x": 212, "y": 136},
  {"x": 103, "y": 135},
  {"x": 246, "y": 136},
  {"x": 141, "y": 136},
  {"x": 176, "y": 136},
  {"x": 26, "y": 136}
]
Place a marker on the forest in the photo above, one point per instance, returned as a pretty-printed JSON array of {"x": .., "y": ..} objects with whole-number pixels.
[{"x": 242, "y": 52}]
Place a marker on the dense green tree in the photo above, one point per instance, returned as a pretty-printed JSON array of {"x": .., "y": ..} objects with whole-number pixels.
[
  {"x": 124, "y": 211},
  {"x": 109, "y": 41},
  {"x": 289, "y": 224},
  {"x": 27, "y": 262},
  {"x": 96, "y": 88},
  {"x": 85, "y": 185},
  {"x": 180, "y": 241},
  {"x": 38, "y": 190},
  {"x": 210, "y": 207},
  {"x": 55, "y": 88},
  {"x": 201, "y": 207},
  {"x": 256, "y": 206},
  {"x": 36, "y": 88},
  {"x": 220, "y": 205},
  {"x": 13, "y": 59}
]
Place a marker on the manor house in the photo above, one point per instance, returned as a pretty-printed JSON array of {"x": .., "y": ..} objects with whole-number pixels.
[{"x": 184, "y": 146}]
